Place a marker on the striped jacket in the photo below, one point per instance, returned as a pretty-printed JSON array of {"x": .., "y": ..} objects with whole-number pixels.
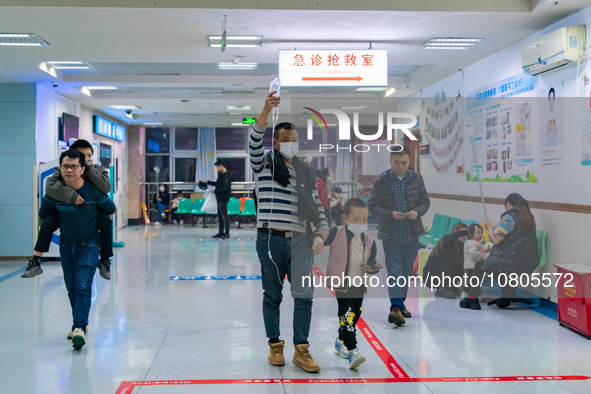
[{"x": 277, "y": 205}]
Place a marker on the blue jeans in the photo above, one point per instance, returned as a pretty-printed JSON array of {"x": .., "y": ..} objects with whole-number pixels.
[
  {"x": 161, "y": 208},
  {"x": 400, "y": 257},
  {"x": 291, "y": 257},
  {"x": 79, "y": 260}
]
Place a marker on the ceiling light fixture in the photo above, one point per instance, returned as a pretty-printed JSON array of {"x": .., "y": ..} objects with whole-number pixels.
[
  {"x": 239, "y": 124},
  {"x": 235, "y": 41},
  {"x": 450, "y": 43},
  {"x": 101, "y": 87},
  {"x": 389, "y": 92},
  {"x": 22, "y": 39},
  {"x": 371, "y": 89},
  {"x": 239, "y": 107},
  {"x": 124, "y": 106},
  {"x": 153, "y": 123},
  {"x": 359, "y": 108},
  {"x": 237, "y": 66}
]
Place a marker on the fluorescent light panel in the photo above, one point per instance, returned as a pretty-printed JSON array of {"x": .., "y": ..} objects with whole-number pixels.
[
  {"x": 101, "y": 87},
  {"x": 124, "y": 106},
  {"x": 237, "y": 66},
  {"x": 239, "y": 124},
  {"x": 238, "y": 108},
  {"x": 153, "y": 123},
  {"x": 450, "y": 43},
  {"x": 359, "y": 108},
  {"x": 371, "y": 89},
  {"x": 21, "y": 39},
  {"x": 235, "y": 41}
]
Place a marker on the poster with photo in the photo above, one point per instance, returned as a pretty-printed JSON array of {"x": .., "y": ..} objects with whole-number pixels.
[
  {"x": 551, "y": 127},
  {"x": 500, "y": 131}
]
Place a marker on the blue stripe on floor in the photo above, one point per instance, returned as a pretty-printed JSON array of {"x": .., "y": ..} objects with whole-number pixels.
[
  {"x": 216, "y": 277},
  {"x": 15, "y": 273}
]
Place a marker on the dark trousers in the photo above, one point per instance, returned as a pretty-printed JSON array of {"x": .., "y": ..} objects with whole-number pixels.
[
  {"x": 480, "y": 269},
  {"x": 52, "y": 223},
  {"x": 291, "y": 257},
  {"x": 177, "y": 216},
  {"x": 223, "y": 219},
  {"x": 79, "y": 260},
  {"x": 349, "y": 313},
  {"x": 336, "y": 215}
]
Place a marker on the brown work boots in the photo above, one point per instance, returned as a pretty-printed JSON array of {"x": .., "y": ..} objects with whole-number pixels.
[
  {"x": 301, "y": 357},
  {"x": 275, "y": 356}
]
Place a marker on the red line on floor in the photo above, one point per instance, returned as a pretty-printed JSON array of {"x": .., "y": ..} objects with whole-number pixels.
[
  {"x": 374, "y": 342},
  {"x": 127, "y": 387}
]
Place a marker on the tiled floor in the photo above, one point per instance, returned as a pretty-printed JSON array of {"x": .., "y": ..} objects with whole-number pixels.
[{"x": 146, "y": 327}]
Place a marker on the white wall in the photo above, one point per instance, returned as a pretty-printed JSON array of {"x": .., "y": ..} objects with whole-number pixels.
[{"x": 568, "y": 182}]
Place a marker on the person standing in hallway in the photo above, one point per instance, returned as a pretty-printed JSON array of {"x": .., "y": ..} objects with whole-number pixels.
[
  {"x": 79, "y": 244},
  {"x": 399, "y": 200},
  {"x": 223, "y": 192},
  {"x": 288, "y": 207}
]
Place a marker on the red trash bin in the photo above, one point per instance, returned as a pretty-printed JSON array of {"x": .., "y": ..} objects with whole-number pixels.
[{"x": 574, "y": 297}]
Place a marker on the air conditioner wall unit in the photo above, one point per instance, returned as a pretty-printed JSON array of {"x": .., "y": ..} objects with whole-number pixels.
[{"x": 556, "y": 50}]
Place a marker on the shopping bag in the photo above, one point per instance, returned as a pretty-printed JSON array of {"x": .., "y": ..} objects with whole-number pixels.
[{"x": 210, "y": 205}]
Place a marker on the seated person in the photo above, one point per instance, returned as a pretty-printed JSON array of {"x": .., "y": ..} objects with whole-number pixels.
[
  {"x": 175, "y": 207},
  {"x": 447, "y": 258},
  {"x": 515, "y": 249},
  {"x": 162, "y": 202}
]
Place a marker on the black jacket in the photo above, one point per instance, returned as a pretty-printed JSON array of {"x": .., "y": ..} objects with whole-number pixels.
[
  {"x": 518, "y": 252},
  {"x": 381, "y": 203},
  {"x": 223, "y": 187},
  {"x": 446, "y": 257}
]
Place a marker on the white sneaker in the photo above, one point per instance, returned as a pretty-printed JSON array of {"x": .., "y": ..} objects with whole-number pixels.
[
  {"x": 182, "y": 221},
  {"x": 340, "y": 349},
  {"x": 78, "y": 339},
  {"x": 355, "y": 359},
  {"x": 175, "y": 222},
  {"x": 157, "y": 224}
]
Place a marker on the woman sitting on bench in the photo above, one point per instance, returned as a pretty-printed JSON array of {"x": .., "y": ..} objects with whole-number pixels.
[{"x": 515, "y": 250}]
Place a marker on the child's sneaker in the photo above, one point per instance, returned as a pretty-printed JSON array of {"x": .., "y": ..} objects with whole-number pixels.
[
  {"x": 468, "y": 303},
  {"x": 355, "y": 359},
  {"x": 78, "y": 338},
  {"x": 340, "y": 349},
  {"x": 33, "y": 269}
]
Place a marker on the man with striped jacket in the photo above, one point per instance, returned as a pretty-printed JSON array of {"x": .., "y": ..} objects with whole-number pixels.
[{"x": 290, "y": 218}]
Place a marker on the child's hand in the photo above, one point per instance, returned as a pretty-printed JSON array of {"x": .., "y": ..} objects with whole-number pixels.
[
  {"x": 373, "y": 269},
  {"x": 318, "y": 245},
  {"x": 79, "y": 200}
]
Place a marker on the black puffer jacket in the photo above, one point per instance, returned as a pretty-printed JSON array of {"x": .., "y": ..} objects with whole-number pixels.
[
  {"x": 223, "y": 187},
  {"x": 518, "y": 252},
  {"x": 381, "y": 203}
]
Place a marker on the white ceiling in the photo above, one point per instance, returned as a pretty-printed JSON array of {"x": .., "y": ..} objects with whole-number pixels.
[{"x": 158, "y": 57}]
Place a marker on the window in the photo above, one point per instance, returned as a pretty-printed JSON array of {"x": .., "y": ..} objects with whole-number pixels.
[
  {"x": 184, "y": 169},
  {"x": 236, "y": 166},
  {"x": 158, "y": 168},
  {"x": 231, "y": 138},
  {"x": 157, "y": 140},
  {"x": 185, "y": 138}
]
